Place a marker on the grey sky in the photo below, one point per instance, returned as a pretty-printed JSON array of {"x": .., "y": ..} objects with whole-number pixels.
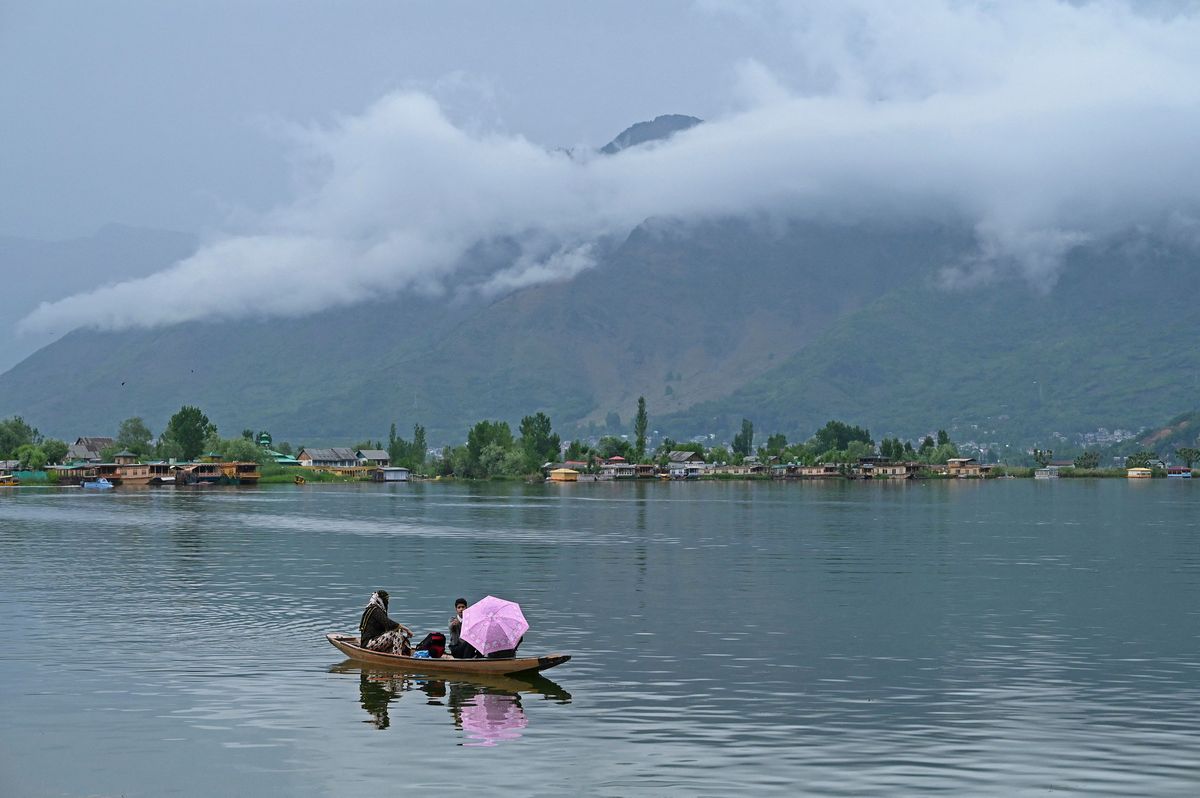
[
  {"x": 161, "y": 113},
  {"x": 330, "y": 156}
]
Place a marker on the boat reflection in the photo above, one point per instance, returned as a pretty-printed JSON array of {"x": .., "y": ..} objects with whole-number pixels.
[{"x": 487, "y": 709}]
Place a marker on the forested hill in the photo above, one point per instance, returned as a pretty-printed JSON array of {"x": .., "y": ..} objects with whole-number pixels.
[
  {"x": 679, "y": 315},
  {"x": 788, "y": 324},
  {"x": 1111, "y": 345}
]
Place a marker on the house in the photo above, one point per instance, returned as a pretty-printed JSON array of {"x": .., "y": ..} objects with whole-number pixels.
[
  {"x": 685, "y": 470},
  {"x": 819, "y": 471},
  {"x": 390, "y": 474},
  {"x": 88, "y": 449},
  {"x": 619, "y": 469},
  {"x": 684, "y": 457},
  {"x": 337, "y": 457},
  {"x": 884, "y": 468},
  {"x": 373, "y": 457},
  {"x": 965, "y": 467}
]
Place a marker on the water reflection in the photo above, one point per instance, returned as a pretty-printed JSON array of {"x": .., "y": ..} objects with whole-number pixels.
[{"x": 487, "y": 709}]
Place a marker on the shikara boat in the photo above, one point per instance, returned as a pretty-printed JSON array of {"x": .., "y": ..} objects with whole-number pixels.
[
  {"x": 530, "y": 682},
  {"x": 348, "y": 645}
]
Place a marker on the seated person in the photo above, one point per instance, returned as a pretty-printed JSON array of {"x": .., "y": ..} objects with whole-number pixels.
[
  {"x": 459, "y": 648},
  {"x": 378, "y": 632},
  {"x": 507, "y": 653}
]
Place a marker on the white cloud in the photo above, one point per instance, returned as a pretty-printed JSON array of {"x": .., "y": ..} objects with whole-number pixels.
[{"x": 1040, "y": 124}]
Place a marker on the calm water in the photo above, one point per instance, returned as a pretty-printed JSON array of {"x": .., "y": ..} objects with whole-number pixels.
[{"x": 843, "y": 639}]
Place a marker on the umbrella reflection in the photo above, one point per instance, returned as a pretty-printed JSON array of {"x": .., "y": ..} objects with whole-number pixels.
[
  {"x": 490, "y": 718},
  {"x": 487, "y": 709}
]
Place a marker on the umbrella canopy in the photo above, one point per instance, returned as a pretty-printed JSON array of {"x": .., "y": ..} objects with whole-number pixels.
[{"x": 493, "y": 624}]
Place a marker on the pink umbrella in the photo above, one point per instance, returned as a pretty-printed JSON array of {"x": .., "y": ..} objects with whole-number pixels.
[{"x": 493, "y": 624}]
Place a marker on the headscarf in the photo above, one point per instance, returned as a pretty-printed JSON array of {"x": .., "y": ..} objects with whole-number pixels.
[{"x": 379, "y": 599}]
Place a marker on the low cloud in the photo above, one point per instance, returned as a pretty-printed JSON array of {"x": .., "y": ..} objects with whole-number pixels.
[{"x": 1042, "y": 125}]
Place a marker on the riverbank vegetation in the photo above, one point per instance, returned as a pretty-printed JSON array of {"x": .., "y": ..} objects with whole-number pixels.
[{"x": 493, "y": 450}]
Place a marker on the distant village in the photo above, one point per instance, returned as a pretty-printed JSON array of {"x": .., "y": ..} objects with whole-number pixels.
[{"x": 190, "y": 453}]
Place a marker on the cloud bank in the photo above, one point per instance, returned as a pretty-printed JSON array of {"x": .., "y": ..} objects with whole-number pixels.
[{"x": 1042, "y": 125}]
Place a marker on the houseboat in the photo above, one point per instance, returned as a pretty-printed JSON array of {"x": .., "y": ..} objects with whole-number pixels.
[
  {"x": 1179, "y": 472},
  {"x": 1049, "y": 472},
  {"x": 1139, "y": 473},
  {"x": 563, "y": 475},
  {"x": 390, "y": 474}
]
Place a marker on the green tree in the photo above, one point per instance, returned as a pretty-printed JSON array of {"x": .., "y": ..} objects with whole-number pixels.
[
  {"x": 190, "y": 429},
  {"x": 577, "y": 450},
  {"x": 856, "y": 450},
  {"x": 32, "y": 457},
  {"x": 134, "y": 435},
  {"x": 284, "y": 448},
  {"x": 611, "y": 446},
  {"x": 1043, "y": 456},
  {"x": 640, "y": 423},
  {"x": 837, "y": 435},
  {"x": 243, "y": 450},
  {"x": 1188, "y": 455},
  {"x": 927, "y": 444},
  {"x": 538, "y": 443},
  {"x": 55, "y": 450},
  {"x": 776, "y": 443},
  {"x": 1140, "y": 459},
  {"x": 743, "y": 442},
  {"x": 15, "y": 433},
  {"x": 1087, "y": 460},
  {"x": 248, "y": 434},
  {"x": 942, "y": 437},
  {"x": 419, "y": 449},
  {"x": 719, "y": 454},
  {"x": 480, "y": 436}
]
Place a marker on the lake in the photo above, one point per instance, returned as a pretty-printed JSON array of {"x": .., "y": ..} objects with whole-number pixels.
[{"x": 999, "y": 637}]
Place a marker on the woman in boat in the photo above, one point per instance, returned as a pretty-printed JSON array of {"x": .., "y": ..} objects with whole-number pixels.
[{"x": 378, "y": 632}]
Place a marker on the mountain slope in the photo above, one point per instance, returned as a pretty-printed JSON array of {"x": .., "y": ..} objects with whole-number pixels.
[
  {"x": 34, "y": 271},
  {"x": 1109, "y": 346},
  {"x": 676, "y": 314}
]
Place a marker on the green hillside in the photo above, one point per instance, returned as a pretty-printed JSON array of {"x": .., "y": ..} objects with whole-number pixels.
[
  {"x": 677, "y": 314},
  {"x": 1111, "y": 345},
  {"x": 788, "y": 325}
]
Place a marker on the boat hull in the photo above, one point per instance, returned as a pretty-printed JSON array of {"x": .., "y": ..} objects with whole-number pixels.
[{"x": 348, "y": 645}]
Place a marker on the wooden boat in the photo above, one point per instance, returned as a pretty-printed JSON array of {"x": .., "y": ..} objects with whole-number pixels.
[
  {"x": 299, "y": 480},
  {"x": 348, "y": 645},
  {"x": 531, "y": 682},
  {"x": 8, "y": 481}
]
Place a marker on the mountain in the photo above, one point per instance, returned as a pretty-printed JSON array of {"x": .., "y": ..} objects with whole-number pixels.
[
  {"x": 1182, "y": 431},
  {"x": 34, "y": 271},
  {"x": 1108, "y": 346},
  {"x": 788, "y": 324},
  {"x": 679, "y": 314},
  {"x": 658, "y": 129}
]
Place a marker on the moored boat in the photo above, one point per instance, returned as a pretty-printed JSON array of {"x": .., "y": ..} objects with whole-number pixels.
[
  {"x": 1138, "y": 473},
  {"x": 97, "y": 484},
  {"x": 348, "y": 645}
]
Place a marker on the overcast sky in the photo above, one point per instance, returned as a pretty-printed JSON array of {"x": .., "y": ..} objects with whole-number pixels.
[
  {"x": 391, "y": 138},
  {"x": 165, "y": 113}
]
